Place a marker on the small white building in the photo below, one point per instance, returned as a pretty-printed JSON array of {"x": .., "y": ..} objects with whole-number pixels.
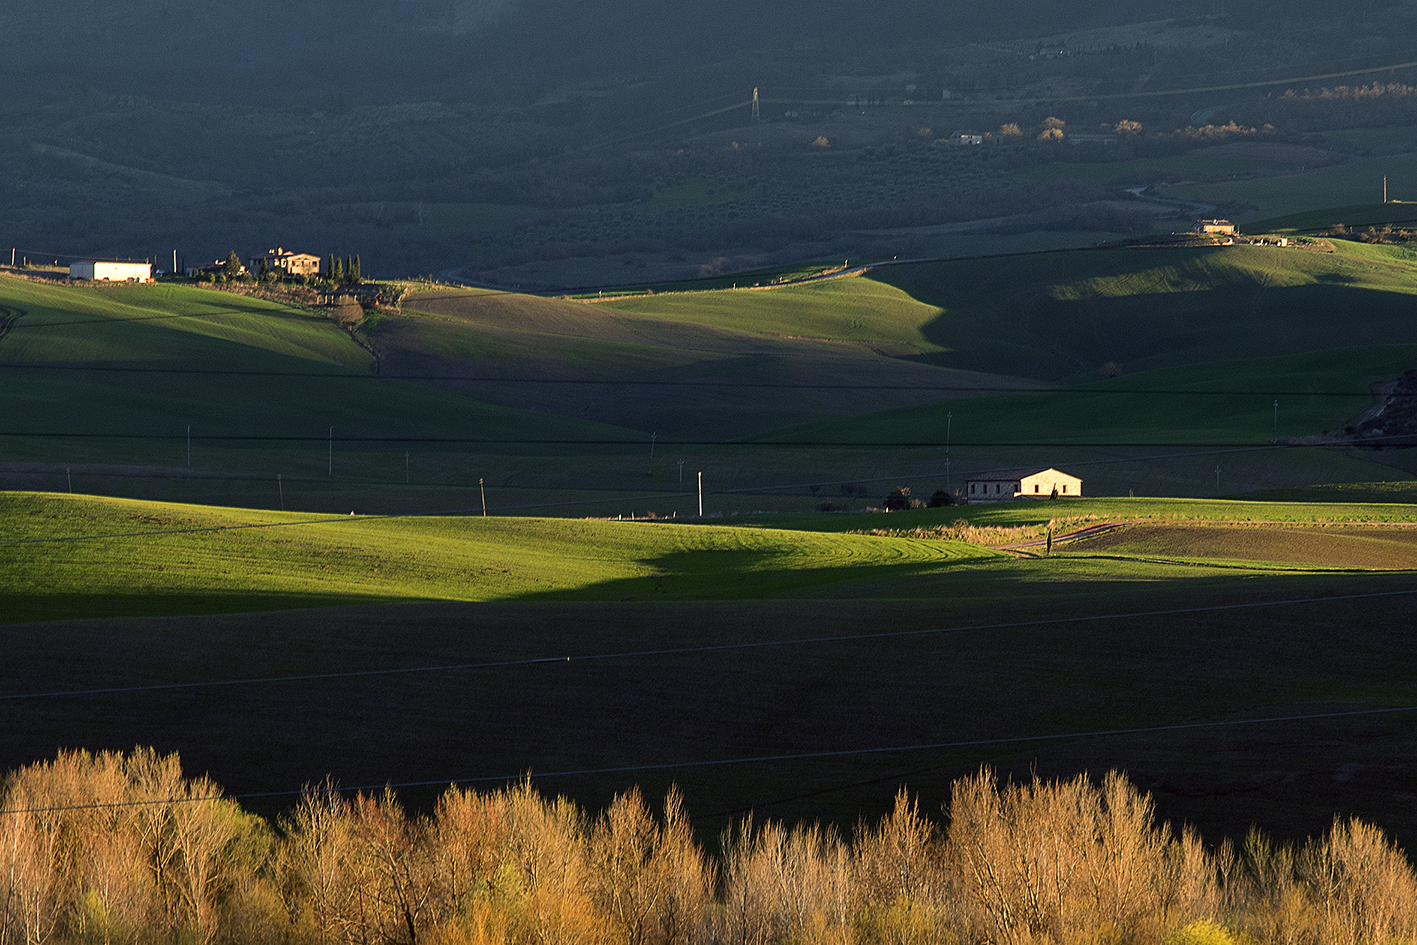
[
  {"x": 1011, "y": 484},
  {"x": 110, "y": 270}
]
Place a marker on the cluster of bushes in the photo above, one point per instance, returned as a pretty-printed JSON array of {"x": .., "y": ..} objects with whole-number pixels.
[{"x": 111, "y": 848}]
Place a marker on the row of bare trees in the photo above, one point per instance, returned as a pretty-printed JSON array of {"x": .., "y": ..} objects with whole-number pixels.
[{"x": 113, "y": 848}]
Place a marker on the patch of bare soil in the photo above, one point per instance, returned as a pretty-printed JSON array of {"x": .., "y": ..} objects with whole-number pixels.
[{"x": 1364, "y": 547}]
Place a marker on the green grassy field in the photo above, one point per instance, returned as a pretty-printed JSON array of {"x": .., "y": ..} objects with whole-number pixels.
[
  {"x": 702, "y": 644},
  {"x": 563, "y": 400},
  {"x": 74, "y": 556}
]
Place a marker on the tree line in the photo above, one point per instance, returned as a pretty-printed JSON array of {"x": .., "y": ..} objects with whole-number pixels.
[{"x": 123, "y": 848}]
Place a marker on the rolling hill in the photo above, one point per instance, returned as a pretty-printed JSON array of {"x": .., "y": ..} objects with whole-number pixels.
[{"x": 781, "y": 396}]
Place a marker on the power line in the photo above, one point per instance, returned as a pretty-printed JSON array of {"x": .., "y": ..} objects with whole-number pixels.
[
  {"x": 745, "y": 760},
  {"x": 708, "y": 648}
]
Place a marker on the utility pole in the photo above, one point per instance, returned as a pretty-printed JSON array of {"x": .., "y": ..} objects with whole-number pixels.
[
  {"x": 189, "y": 444},
  {"x": 1217, "y": 480},
  {"x": 681, "y": 476},
  {"x": 1276, "y": 419},
  {"x": 949, "y": 422},
  {"x": 332, "y": 451},
  {"x": 652, "y": 437},
  {"x": 483, "y": 489},
  {"x": 701, "y": 494},
  {"x": 1384, "y": 188},
  {"x": 405, "y": 466},
  {"x": 69, "y": 474},
  {"x": 281, "y": 486},
  {"x": 756, "y": 113}
]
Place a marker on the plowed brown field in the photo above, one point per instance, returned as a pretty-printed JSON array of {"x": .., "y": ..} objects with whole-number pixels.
[{"x": 1373, "y": 548}]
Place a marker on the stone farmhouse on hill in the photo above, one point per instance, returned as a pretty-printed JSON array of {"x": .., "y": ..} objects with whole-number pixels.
[
  {"x": 288, "y": 263},
  {"x": 1010, "y": 484},
  {"x": 1215, "y": 227},
  {"x": 111, "y": 270}
]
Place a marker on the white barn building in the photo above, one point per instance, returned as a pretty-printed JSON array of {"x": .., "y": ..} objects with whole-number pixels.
[
  {"x": 109, "y": 270},
  {"x": 1011, "y": 484}
]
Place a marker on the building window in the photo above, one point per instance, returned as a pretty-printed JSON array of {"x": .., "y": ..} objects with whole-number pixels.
[
  {"x": 1065, "y": 487},
  {"x": 1035, "y": 487}
]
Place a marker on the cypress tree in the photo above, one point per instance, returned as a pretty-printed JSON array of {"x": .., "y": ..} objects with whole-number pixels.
[
  {"x": 336, "y": 270},
  {"x": 354, "y": 270}
]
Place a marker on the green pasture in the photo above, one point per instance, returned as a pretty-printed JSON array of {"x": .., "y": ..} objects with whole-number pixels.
[
  {"x": 64, "y": 556},
  {"x": 1060, "y": 315},
  {"x": 851, "y": 309},
  {"x": 68, "y": 556},
  {"x": 563, "y": 399},
  {"x": 166, "y": 325},
  {"x": 119, "y": 373}
]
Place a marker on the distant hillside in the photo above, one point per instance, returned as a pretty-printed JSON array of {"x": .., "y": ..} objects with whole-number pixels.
[{"x": 818, "y": 394}]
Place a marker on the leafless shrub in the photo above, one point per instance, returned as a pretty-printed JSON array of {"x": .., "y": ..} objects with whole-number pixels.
[{"x": 123, "y": 849}]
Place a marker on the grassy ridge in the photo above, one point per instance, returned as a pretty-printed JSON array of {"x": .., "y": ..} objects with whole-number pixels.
[
  {"x": 166, "y": 325},
  {"x": 163, "y": 558},
  {"x": 1054, "y": 316},
  {"x": 835, "y": 309},
  {"x": 144, "y": 361}
]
